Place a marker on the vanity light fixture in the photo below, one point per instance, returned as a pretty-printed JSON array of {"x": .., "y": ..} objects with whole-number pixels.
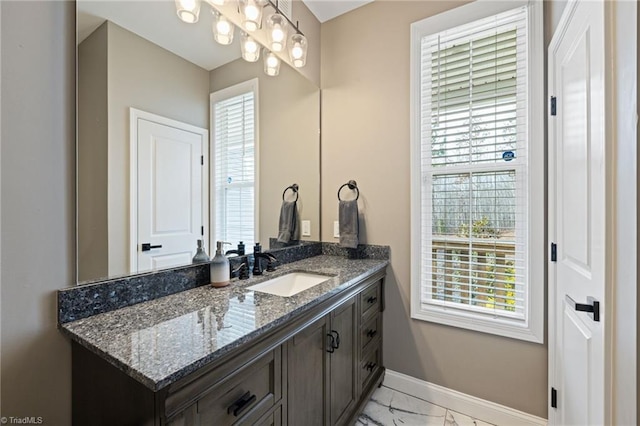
[
  {"x": 188, "y": 10},
  {"x": 298, "y": 50},
  {"x": 222, "y": 28},
  {"x": 251, "y": 11},
  {"x": 271, "y": 63},
  {"x": 277, "y": 26},
  {"x": 277, "y": 32},
  {"x": 250, "y": 48}
]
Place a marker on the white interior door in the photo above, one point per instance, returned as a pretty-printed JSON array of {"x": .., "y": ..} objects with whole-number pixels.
[
  {"x": 170, "y": 194},
  {"x": 577, "y": 206}
]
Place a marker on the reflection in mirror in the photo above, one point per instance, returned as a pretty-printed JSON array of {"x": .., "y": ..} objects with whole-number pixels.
[{"x": 147, "y": 176}]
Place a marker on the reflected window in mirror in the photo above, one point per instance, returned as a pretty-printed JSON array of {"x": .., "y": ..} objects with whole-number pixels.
[{"x": 234, "y": 174}]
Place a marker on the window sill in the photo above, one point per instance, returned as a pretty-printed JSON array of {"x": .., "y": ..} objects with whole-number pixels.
[{"x": 511, "y": 328}]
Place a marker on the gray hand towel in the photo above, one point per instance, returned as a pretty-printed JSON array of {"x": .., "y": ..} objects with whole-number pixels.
[
  {"x": 288, "y": 229},
  {"x": 348, "y": 223}
]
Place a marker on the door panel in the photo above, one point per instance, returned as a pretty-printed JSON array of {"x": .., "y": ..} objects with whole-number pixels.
[
  {"x": 171, "y": 185},
  {"x": 575, "y": 347},
  {"x": 577, "y": 201},
  {"x": 170, "y": 196},
  {"x": 307, "y": 370},
  {"x": 574, "y": 95},
  {"x": 343, "y": 362}
]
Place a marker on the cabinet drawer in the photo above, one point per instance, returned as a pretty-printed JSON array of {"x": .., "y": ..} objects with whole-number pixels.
[
  {"x": 370, "y": 364},
  {"x": 370, "y": 331},
  {"x": 274, "y": 418},
  {"x": 370, "y": 300},
  {"x": 244, "y": 396}
]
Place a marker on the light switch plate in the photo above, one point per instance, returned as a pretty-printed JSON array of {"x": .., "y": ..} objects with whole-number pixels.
[
  {"x": 306, "y": 228},
  {"x": 336, "y": 229}
]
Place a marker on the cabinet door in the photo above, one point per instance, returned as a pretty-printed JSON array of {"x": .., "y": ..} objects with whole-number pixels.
[
  {"x": 307, "y": 375},
  {"x": 343, "y": 362}
]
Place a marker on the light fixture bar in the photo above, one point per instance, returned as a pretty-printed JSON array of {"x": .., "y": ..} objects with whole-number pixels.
[{"x": 278, "y": 11}]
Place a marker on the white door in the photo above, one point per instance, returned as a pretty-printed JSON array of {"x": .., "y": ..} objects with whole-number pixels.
[
  {"x": 170, "y": 194},
  {"x": 577, "y": 203}
]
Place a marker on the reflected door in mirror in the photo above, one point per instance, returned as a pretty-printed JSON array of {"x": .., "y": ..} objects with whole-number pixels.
[{"x": 170, "y": 197}]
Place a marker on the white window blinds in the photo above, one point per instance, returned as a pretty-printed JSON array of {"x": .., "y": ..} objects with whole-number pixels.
[
  {"x": 235, "y": 168},
  {"x": 473, "y": 127}
]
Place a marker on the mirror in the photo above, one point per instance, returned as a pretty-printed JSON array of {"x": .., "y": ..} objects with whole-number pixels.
[{"x": 137, "y": 60}]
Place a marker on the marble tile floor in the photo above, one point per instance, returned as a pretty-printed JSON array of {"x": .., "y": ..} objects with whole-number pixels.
[{"x": 388, "y": 407}]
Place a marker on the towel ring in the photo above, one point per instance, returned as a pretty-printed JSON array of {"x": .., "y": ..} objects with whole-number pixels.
[
  {"x": 294, "y": 188},
  {"x": 353, "y": 186}
]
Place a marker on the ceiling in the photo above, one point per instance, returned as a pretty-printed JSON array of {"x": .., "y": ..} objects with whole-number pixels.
[
  {"x": 156, "y": 21},
  {"x": 325, "y": 10}
]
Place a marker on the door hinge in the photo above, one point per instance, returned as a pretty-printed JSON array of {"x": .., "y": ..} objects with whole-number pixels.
[
  {"x": 553, "y": 105},
  {"x": 202, "y": 230},
  {"x": 554, "y": 252},
  {"x": 202, "y": 160},
  {"x": 554, "y": 398}
]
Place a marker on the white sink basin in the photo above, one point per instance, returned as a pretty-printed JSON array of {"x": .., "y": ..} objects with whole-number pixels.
[{"x": 290, "y": 284}]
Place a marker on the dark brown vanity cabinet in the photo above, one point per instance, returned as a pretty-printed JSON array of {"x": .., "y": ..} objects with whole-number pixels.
[
  {"x": 317, "y": 369},
  {"x": 322, "y": 367}
]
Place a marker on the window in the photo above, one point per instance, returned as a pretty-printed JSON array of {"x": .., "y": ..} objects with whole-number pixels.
[
  {"x": 234, "y": 124},
  {"x": 477, "y": 169}
]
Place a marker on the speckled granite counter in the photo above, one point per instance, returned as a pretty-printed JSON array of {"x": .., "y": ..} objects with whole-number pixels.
[{"x": 163, "y": 340}]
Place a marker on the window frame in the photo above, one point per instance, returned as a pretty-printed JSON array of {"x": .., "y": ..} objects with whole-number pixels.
[
  {"x": 531, "y": 328},
  {"x": 217, "y": 96}
]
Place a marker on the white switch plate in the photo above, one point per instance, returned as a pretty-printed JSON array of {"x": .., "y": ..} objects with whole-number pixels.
[
  {"x": 306, "y": 228},
  {"x": 336, "y": 229}
]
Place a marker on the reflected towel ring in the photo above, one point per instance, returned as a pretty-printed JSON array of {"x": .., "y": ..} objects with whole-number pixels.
[
  {"x": 294, "y": 188},
  {"x": 353, "y": 186}
]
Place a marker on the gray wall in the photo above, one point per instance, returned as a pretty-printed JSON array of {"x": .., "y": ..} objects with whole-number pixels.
[
  {"x": 289, "y": 140},
  {"x": 143, "y": 76},
  {"x": 152, "y": 79},
  {"x": 93, "y": 149},
  {"x": 38, "y": 196},
  {"x": 365, "y": 136}
]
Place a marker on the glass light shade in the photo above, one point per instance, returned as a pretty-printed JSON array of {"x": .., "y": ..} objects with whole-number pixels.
[
  {"x": 277, "y": 32},
  {"x": 222, "y": 28},
  {"x": 188, "y": 10},
  {"x": 271, "y": 63},
  {"x": 298, "y": 50},
  {"x": 250, "y": 48},
  {"x": 251, "y": 11}
]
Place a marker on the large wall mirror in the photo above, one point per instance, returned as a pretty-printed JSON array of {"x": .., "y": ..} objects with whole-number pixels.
[{"x": 159, "y": 103}]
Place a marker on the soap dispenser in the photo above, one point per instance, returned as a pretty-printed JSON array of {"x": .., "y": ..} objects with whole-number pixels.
[
  {"x": 201, "y": 255},
  {"x": 219, "y": 268}
]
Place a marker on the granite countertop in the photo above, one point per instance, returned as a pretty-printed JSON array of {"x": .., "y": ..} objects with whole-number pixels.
[{"x": 163, "y": 340}]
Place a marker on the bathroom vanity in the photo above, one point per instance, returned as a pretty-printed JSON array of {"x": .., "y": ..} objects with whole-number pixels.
[{"x": 226, "y": 356}]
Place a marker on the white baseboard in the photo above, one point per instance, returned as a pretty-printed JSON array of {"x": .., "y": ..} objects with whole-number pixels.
[{"x": 457, "y": 401}]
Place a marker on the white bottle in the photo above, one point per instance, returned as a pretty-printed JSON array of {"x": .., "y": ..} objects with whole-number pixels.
[{"x": 219, "y": 268}]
